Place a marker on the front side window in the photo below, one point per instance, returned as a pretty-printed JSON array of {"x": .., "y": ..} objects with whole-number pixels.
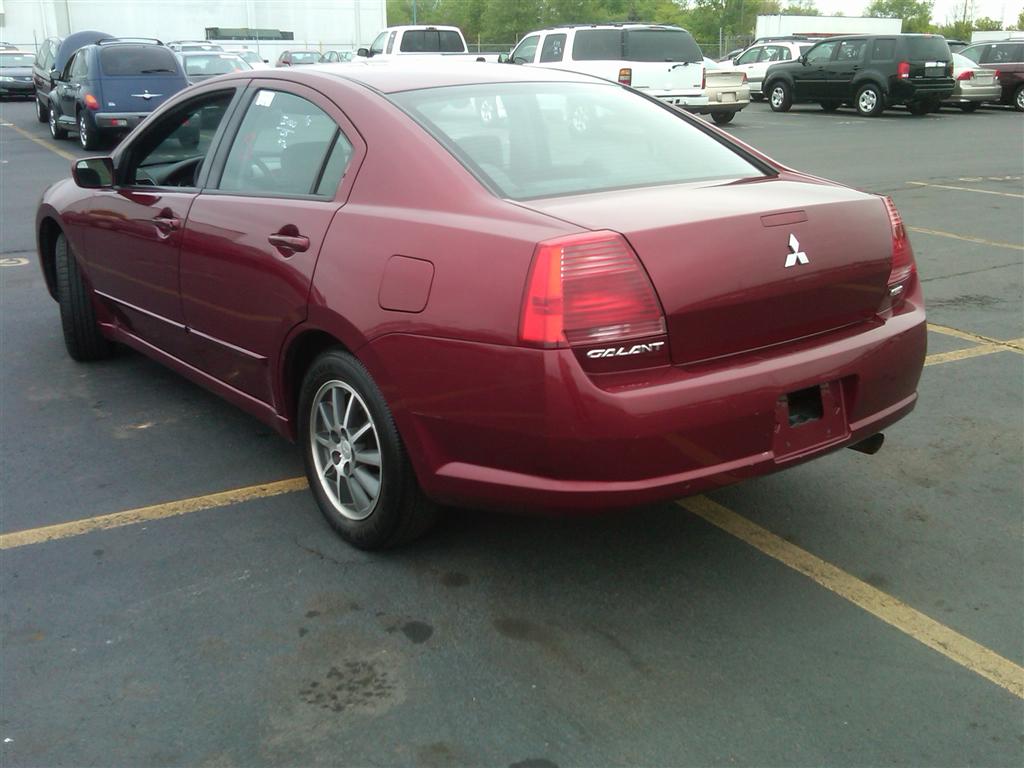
[
  {"x": 570, "y": 138},
  {"x": 820, "y": 54},
  {"x": 526, "y": 50},
  {"x": 750, "y": 57},
  {"x": 281, "y": 147},
  {"x": 554, "y": 48},
  {"x": 171, "y": 151},
  {"x": 377, "y": 46},
  {"x": 136, "y": 60}
]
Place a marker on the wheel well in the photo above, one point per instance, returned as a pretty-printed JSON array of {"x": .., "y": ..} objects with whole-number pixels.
[
  {"x": 48, "y": 232},
  {"x": 300, "y": 355}
]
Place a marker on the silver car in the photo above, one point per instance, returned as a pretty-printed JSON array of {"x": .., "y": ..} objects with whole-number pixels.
[{"x": 974, "y": 85}]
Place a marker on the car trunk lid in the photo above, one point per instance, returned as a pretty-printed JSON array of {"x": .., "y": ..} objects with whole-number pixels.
[{"x": 734, "y": 274}]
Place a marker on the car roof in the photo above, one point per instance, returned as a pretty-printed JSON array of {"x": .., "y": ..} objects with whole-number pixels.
[
  {"x": 396, "y": 76},
  {"x": 417, "y": 27},
  {"x": 610, "y": 25}
]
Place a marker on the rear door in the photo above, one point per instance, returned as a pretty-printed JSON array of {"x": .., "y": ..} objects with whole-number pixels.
[
  {"x": 930, "y": 60},
  {"x": 138, "y": 78},
  {"x": 74, "y": 81},
  {"x": 663, "y": 59},
  {"x": 253, "y": 236},
  {"x": 841, "y": 71}
]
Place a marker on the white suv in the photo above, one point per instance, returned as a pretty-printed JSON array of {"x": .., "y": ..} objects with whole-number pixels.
[
  {"x": 662, "y": 61},
  {"x": 754, "y": 61}
]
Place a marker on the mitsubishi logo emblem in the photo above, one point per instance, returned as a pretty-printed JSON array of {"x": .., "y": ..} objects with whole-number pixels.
[{"x": 796, "y": 256}]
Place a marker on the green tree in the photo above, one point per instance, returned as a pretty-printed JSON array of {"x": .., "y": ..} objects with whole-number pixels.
[
  {"x": 985, "y": 24},
  {"x": 916, "y": 14},
  {"x": 801, "y": 8},
  {"x": 1020, "y": 21}
]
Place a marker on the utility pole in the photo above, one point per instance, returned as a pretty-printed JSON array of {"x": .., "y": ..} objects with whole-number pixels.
[{"x": 413, "y": 11}]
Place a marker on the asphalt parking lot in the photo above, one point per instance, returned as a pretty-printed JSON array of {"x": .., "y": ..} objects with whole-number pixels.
[{"x": 855, "y": 610}]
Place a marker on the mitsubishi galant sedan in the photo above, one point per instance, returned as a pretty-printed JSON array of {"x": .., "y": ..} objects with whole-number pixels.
[{"x": 514, "y": 314}]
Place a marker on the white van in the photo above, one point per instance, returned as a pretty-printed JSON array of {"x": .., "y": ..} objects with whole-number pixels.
[{"x": 662, "y": 61}]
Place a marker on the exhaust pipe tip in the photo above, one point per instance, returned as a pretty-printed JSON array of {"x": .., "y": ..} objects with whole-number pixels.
[{"x": 870, "y": 445}]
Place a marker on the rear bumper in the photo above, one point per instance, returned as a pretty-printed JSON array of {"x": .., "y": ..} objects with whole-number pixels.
[
  {"x": 17, "y": 89},
  {"x": 906, "y": 91},
  {"x": 962, "y": 95},
  {"x": 507, "y": 427},
  {"x": 118, "y": 121}
]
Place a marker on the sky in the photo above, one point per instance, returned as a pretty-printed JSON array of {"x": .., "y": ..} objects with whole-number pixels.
[{"x": 943, "y": 10}]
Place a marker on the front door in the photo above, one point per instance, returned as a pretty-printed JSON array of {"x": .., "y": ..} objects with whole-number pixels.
[
  {"x": 134, "y": 236},
  {"x": 810, "y": 78},
  {"x": 253, "y": 237},
  {"x": 841, "y": 71}
]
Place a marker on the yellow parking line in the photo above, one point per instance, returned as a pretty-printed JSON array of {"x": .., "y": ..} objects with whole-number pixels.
[
  {"x": 951, "y": 644},
  {"x": 1016, "y": 345},
  {"x": 966, "y": 239},
  {"x": 963, "y": 354},
  {"x": 154, "y": 512},
  {"x": 40, "y": 142},
  {"x": 965, "y": 189}
]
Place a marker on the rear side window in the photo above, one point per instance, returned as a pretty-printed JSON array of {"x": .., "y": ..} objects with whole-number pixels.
[
  {"x": 554, "y": 48},
  {"x": 138, "y": 60},
  {"x": 851, "y": 50},
  {"x": 280, "y": 148},
  {"x": 883, "y": 50},
  {"x": 597, "y": 45},
  {"x": 80, "y": 67},
  {"x": 660, "y": 45},
  {"x": 929, "y": 48},
  {"x": 1001, "y": 53},
  {"x": 431, "y": 41},
  {"x": 570, "y": 138}
]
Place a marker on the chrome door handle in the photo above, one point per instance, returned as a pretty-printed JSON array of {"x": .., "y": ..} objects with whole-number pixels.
[
  {"x": 291, "y": 243},
  {"x": 167, "y": 223}
]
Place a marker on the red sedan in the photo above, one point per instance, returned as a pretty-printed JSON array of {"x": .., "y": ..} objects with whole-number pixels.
[{"x": 588, "y": 300}]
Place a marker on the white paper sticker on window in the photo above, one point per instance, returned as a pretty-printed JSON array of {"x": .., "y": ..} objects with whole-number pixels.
[{"x": 264, "y": 98}]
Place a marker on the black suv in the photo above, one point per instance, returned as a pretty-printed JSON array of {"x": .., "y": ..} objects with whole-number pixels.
[
  {"x": 871, "y": 72},
  {"x": 110, "y": 86}
]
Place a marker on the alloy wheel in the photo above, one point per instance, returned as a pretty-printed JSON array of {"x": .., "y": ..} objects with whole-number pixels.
[
  {"x": 1020, "y": 99},
  {"x": 778, "y": 96},
  {"x": 83, "y": 137},
  {"x": 868, "y": 101},
  {"x": 346, "y": 450}
]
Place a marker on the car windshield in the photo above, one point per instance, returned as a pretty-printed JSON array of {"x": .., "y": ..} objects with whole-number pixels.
[
  {"x": 16, "y": 60},
  {"x": 931, "y": 48},
  {"x": 138, "y": 60},
  {"x": 305, "y": 57},
  {"x": 549, "y": 139},
  {"x": 214, "y": 64}
]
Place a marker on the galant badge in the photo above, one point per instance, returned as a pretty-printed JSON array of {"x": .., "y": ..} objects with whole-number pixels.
[{"x": 796, "y": 256}]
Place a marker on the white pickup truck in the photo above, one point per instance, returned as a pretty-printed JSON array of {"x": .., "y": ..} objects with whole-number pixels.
[{"x": 407, "y": 41}]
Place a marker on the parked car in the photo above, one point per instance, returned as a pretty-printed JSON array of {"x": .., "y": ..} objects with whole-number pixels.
[
  {"x": 756, "y": 60},
  {"x": 202, "y": 65},
  {"x": 662, "y": 61},
  {"x": 51, "y": 58},
  {"x": 298, "y": 58},
  {"x": 975, "y": 85},
  {"x": 252, "y": 58},
  {"x": 107, "y": 88},
  {"x": 336, "y": 57},
  {"x": 7, "y": 46},
  {"x": 956, "y": 45},
  {"x": 16, "y": 74},
  {"x": 871, "y": 72},
  {"x": 181, "y": 46},
  {"x": 530, "y": 319},
  {"x": 1007, "y": 57},
  {"x": 421, "y": 42}
]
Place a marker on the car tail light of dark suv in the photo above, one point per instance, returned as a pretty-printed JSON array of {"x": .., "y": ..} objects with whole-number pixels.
[{"x": 903, "y": 70}]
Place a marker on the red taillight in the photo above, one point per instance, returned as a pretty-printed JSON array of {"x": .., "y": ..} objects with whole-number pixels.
[
  {"x": 90, "y": 101},
  {"x": 585, "y": 289},
  {"x": 968, "y": 75},
  {"x": 995, "y": 74},
  {"x": 704, "y": 79},
  {"x": 743, "y": 80},
  {"x": 903, "y": 70},
  {"x": 903, "y": 266},
  {"x": 625, "y": 76}
]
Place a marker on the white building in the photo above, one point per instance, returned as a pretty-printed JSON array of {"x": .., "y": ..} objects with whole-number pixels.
[
  {"x": 316, "y": 24},
  {"x": 780, "y": 26}
]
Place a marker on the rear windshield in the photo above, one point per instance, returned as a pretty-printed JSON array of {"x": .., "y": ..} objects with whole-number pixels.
[
  {"x": 927, "y": 48},
  {"x": 551, "y": 139},
  {"x": 635, "y": 45},
  {"x": 431, "y": 41},
  {"x": 138, "y": 60},
  {"x": 16, "y": 59},
  {"x": 214, "y": 64}
]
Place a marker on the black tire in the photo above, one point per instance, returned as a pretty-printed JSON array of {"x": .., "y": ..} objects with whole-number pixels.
[
  {"x": 1018, "y": 98},
  {"x": 757, "y": 97},
  {"x": 722, "y": 118},
  {"x": 970, "y": 106},
  {"x": 919, "y": 108},
  {"x": 56, "y": 131},
  {"x": 82, "y": 335},
  {"x": 830, "y": 106},
  {"x": 42, "y": 112},
  {"x": 400, "y": 513},
  {"x": 88, "y": 136},
  {"x": 869, "y": 102},
  {"x": 780, "y": 96}
]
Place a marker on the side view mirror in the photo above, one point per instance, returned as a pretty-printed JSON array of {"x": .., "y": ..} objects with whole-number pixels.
[
  {"x": 503, "y": 58},
  {"x": 364, "y": 52},
  {"x": 93, "y": 173},
  {"x": 736, "y": 60},
  {"x": 266, "y": 61},
  {"x": 803, "y": 59}
]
